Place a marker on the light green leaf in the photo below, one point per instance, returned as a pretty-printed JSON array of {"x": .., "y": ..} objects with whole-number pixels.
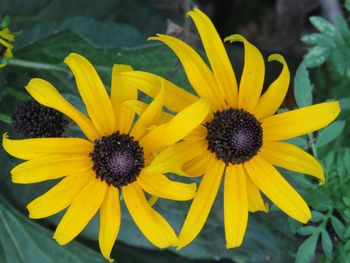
[
  {"x": 302, "y": 87},
  {"x": 345, "y": 103},
  {"x": 330, "y": 133},
  {"x": 327, "y": 244},
  {"x": 307, "y": 249},
  {"x": 307, "y": 230},
  {"x": 316, "y": 56},
  {"x": 317, "y": 216},
  {"x": 318, "y": 39},
  {"x": 323, "y": 25},
  {"x": 347, "y": 4}
]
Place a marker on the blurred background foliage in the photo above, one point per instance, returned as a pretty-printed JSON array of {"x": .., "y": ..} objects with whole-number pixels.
[{"x": 314, "y": 37}]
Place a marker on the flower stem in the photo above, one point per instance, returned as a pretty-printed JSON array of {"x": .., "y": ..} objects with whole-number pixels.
[{"x": 36, "y": 65}]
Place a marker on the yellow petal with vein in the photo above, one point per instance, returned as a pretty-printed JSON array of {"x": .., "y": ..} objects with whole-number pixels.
[
  {"x": 298, "y": 122},
  {"x": 277, "y": 189},
  {"x": 253, "y": 74},
  {"x": 255, "y": 200},
  {"x": 155, "y": 228},
  {"x": 202, "y": 203},
  {"x": 81, "y": 211},
  {"x": 272, "y": 99},
  {"x": 110, "y": 217},
  {"x": 235, "y": 205},
  {"x": 93, "y": 93}
]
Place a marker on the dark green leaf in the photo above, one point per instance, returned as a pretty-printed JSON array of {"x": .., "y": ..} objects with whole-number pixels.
[
  {"x": 302, "y": 87},
  {"x": 345, "y": 103},
  {"x": 327, "y": 244},
  {"x": 338, "y": 226},
  {"x": 317, "y": 216},
  {"x": 330, "y": 133},
  {"x": 307, "y": 249},
  {"x": 347, "y": 161},
  {"x": 307, "y": 230},
  {"x": 347, "y": 245}
]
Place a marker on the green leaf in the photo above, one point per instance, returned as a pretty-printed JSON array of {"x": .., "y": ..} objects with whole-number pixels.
[
  {"x": 316, "y": 56},
  {"x": 323, "y": 25},
  {"x": 347, "y": 245},
  {"x": 307, "y": 230},
  {"x": 338, "y": 227},
  {"x": 307, "y": 249},
  {"x": 347, "y": 4},
  {"x": 5, "y": 118},
  {"x": 317, "y": 216},
  {"x": 318, "y": 39},
  {"x": 345, "y": 103},
  {"x": 302, "y": 87},
  {"x": 330, "y": 133},
  {"x": 347, "y": 161},
  {"x": 327, "y": 245},
  {"x": 24, "y": 241}
]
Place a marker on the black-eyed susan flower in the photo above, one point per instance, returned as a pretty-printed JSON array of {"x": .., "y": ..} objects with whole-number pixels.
[
  {"x": 33, "y": 120},
  {"x": 241, "y": 139},
  {"x": 108, "y": 163},
  {"x": 6, "y": 37}
]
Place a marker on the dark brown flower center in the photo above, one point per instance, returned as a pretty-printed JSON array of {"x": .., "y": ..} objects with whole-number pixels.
[
  {"x": 234, "y": 135},
  {"x": 118, "y": 159}
]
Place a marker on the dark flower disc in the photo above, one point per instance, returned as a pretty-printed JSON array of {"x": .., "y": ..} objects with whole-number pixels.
[
  {"x": 118, "y": 159},
  {"x": 234, "y": 135},
  {"x": 33, "y": 120}
]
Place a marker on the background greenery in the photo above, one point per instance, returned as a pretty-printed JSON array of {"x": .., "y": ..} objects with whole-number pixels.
[{"x": 115, "y": 31}]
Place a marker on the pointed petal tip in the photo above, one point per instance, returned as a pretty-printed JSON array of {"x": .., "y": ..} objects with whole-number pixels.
[
  {"x": 234, "y": 38},
  {"x": 276, "y": 57}
]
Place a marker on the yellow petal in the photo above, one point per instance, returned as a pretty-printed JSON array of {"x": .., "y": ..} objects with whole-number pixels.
[
  {"x": 202, "y": 203},
  {"x": 50, "y": 167},
  {"x": 93, "y": 93},
  {"x": 291, "y": 157},
  {"x": 121, "y": 92},
  {"x": 253, "y": 74},
  {"x": 83, "y": 208},
  {"x": 150, "y": 116},
  {"x": 161, "y": 186},
  {"x": 199, "y": 133},
  {"x": 198, "y": 165},
  {"x": 272, "y": 99},
  {"x": 235, "y": 205},
  {"x": 28, "y": 149},
  {"x": 172, "y": 158},
  {"x": 298, "y": 122},
  {"x": 46, "y": 94},
  {"x": 255, "y": 201},
  {"x": 198, "y": 73},
  {"x": 175, "y": 97},
  {"x": 58, "y": 197},
  {"x": 277, "y": 189},
  {"x": 155, "y": 228},
  {"x": 139, "y": 107},
  {"x": 180, "y": 126},
  {"x": 110, "y": 217},
  {"x": 218, "y": 59}
]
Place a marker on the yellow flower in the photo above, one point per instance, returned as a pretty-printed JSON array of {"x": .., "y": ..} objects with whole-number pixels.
[
  {"x": 241, "y": 138},
  {"x": 6, "y": 37},
  {"x": 110, "y": 162}
]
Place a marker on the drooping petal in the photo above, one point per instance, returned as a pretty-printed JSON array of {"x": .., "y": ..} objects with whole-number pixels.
[
  {"x": 277, "y": 189},
  {"x": 83, "y": 208},
  {"x": 150, "y": 116},
  {"x": 198, "y": 73},
  {"x": 93, "y": 93},
  {"x": 272, "y": 99},
  {"x": 50, "y": 167},
  {"x": 298, "y": 122},
  {"x": 110, "y": 217},
  {"x": 175, "y": 98},
  {"x": 139, "y": 107},
  {"x": 172, "y": 158},
  {"x": 121, "y": 91},
  {"x": 253, "y": 74},
  {"x": 47, "y": 95},
  {"x": 255, "y": 201},
  {"x": 235, "y": 205},
  {"x": 219, "y": 61},
  {"x": 291, "y": 157},
  {"x": 198, "y": 165},
  {"x": 202, "y": 203},
  {"x": 161, "y": 186},
  {"x": 176, "y": 129},
  {"x": 28, "y": 149},
  {"x": 155, "y": 228},
  {"x": 58, "y": 197}
]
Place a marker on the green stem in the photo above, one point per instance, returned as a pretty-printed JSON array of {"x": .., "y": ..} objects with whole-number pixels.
[
  {"x": 5, "y": 118},
  {"x": 36, "y": 65},
  {"x": 313, "y": 146}
]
